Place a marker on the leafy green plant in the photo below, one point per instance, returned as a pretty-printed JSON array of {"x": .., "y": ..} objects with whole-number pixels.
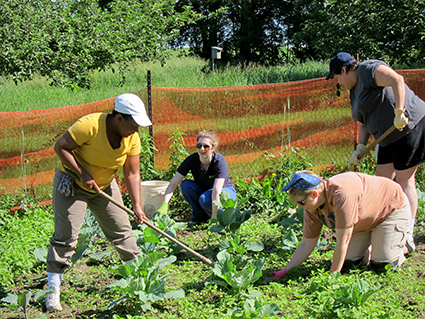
[
  {"x": 24, "y": 232},
  {"x": 234, "y": 266},
  {"x": 262, "y": 196},
  {"x": 237, "y": 246},
  {"x": 266, "y": 195},
  {"x": 236, "y": 274},
  {"x": 178, "y": 154},
  {"x": 166, "y": 224},
  {"x": 229, "y": 216},
  {"x": 254, "y": 309},
  {"x": 142, "y": 263},
  {"x": 142, "y": 283},
  {"x": 21, "y": 302},
  {"x": 294, "y": 221},
  {"x": 332, "y": 298},
  {"x": 147, "y": 167},
  {"x": 290, "y": 241}
]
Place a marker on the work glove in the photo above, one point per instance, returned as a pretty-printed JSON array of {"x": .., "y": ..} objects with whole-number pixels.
[
  {"x": 279, "y": 274},
  {"x": 354, "y": 159},
  {"x": 66, "y": 185},
  {"x": 163, "y": 209},
  {"x": 400, "y": 120}
]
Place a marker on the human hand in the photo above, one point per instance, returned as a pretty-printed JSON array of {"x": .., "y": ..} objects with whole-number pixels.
[
  {"x": 354, "y": 159},
  {"x": 279, "y": 274},
  {"x": 163, "y": 209},
  {"x": 140, "y": 217},
  {"x": 88, "y": 182},
  {"x": 400, "y": 120}
]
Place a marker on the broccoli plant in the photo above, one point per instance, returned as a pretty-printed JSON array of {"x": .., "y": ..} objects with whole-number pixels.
[
  {"x": 237, "y": 273},
  {"x": 141, "y": 282},
  {"x": 229, "y": 216},
  {"x": 166, "y": 224}
]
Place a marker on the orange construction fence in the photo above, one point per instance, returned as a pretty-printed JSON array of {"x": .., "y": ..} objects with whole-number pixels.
[{"x": 250, "y": 121}]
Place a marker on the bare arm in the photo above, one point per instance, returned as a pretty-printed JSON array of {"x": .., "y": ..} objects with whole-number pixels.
[
  {"x": 363, "y": 134},
  {"x": 343, "y": 237},
  {"x": 385, "y": 76},
  {"x": 302, "y": 252},
  {"x": 217, "y": 188},
  {"x": 131, "y": 171},
  {"x": 176, "y": 180},
  {"x": 63, "y": 148}
]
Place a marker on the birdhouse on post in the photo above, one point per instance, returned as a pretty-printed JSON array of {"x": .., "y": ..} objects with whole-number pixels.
[{"x": 215, "y": 54}]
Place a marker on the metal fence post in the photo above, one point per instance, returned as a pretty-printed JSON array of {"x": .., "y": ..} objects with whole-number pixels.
[{"x": 150, "y": 114}]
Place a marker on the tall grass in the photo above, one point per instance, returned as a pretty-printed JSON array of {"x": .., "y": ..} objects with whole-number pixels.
[{"x": 179, "y": 71}]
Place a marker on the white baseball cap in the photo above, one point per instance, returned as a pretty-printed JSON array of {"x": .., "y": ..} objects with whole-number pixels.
[{"x": 129, "y": 103}]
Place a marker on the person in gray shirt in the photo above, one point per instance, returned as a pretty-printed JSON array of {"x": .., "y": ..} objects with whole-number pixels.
[{"x": 379, "y": 99}]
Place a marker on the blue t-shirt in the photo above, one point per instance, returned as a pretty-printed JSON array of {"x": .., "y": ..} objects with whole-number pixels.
[
  {"x": 374, "y": 105},
  {"x": 205, "y": 177}
]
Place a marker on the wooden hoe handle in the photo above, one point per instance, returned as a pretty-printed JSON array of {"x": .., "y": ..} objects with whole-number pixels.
[
  {"x": 371, "y": 146},
  {"x": 129, "y": 211}
]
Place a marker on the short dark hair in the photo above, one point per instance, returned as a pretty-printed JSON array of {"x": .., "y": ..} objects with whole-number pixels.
[{"x": 350, "y": 67}]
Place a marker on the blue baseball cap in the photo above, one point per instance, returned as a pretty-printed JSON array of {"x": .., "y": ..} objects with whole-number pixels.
[
  {"x": 302, "y": 181},
  {"x": 338, "y": 61}
]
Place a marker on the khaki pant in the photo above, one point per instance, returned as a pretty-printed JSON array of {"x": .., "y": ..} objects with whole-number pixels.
[
  {"x": 387, "y": 239},
  {"x": 69, "y": 212}
]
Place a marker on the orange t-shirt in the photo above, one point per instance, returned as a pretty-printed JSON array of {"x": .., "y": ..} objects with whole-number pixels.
[
  {"x": 94, "y": 152},
  {"x": 354, "y": 199}
]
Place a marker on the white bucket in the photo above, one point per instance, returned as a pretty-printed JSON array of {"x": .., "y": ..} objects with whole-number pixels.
[{"x": 152, "y": 196}]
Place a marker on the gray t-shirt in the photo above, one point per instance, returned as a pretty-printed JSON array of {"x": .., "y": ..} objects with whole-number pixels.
[{"x": 373, "y": 105}]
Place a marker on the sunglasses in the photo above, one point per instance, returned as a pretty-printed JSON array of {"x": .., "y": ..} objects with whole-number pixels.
[
  {"x": 338, "y": 92},
  {"x": 302, "y": 202},
  {"x": 205, "y": 146}
]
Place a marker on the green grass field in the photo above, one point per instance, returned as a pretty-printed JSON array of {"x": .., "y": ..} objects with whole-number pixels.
[{"x": 177, "y": 72}]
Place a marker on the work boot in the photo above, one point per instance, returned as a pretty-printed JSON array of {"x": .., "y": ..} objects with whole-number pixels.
[{"x": 53, "y": 301}]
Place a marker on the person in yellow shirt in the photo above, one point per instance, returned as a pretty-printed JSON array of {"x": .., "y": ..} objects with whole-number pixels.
[{"x": 93, "y": 149}]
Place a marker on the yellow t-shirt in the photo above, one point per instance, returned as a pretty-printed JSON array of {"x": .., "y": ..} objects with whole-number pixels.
[{"x": 95, "y": 153}]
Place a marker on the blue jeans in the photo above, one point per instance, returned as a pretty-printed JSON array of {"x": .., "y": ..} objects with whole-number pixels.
[{"x": 199, "y": 200}]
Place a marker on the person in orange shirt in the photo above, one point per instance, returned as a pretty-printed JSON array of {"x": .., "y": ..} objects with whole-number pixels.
[
  {"x": 363, "y": 210},
  {"x": 93, "y": 149}
]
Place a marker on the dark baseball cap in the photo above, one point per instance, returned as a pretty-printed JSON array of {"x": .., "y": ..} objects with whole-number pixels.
[{"x": 338, "y": 61}]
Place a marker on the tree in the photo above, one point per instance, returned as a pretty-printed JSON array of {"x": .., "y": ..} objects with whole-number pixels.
[
  {"x": 66, "y": 39},
  {"x": 392, "y": 30},
  {"x": 248, "y": 30}
]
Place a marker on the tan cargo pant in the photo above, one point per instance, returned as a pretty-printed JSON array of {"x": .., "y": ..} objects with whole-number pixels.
[
  {"x": 387, "y": 239},
  {"x": 69, "y": 212}
]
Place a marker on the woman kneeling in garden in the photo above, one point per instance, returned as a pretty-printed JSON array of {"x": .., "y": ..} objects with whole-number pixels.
[
  {"x": 363, "y": 210},
  {"x": 210, "y": 178}
]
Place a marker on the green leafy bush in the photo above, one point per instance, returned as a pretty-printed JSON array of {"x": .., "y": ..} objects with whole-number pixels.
[{"x": 24, "y": 232}]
